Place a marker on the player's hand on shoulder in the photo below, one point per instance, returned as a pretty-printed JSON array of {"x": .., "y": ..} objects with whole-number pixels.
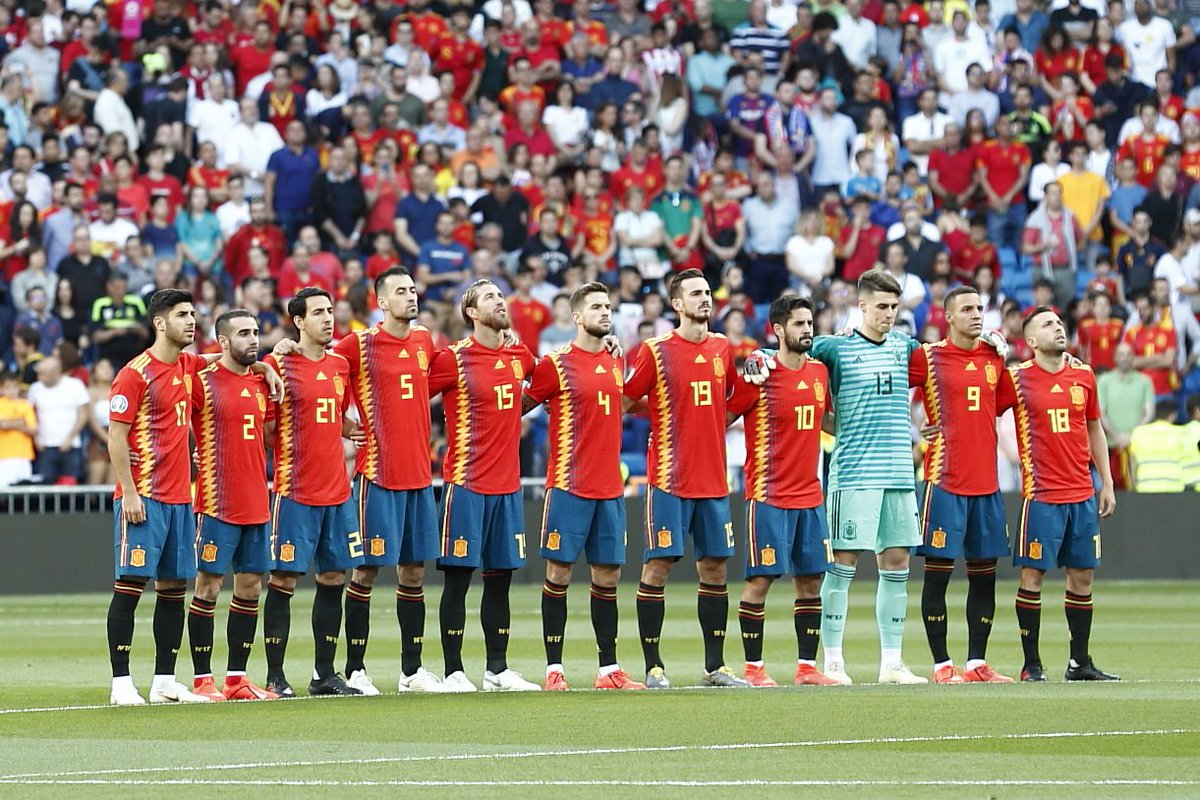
[
  {"x": 275, "y": 387},
  {"x": 997, "y": 341},
  {"x": 285, "y": 347},
  {"x": 613, "y": 345},
  {"x": 758, "y": 366}
]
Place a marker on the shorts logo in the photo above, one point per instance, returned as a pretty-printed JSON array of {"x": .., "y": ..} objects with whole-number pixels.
[
  {"x": 208, "y": 553},
  {"x": 849, "y": 531},
  {"x": 767, "y": 556},
  {"x": 1035, "y": 550},
  {"x": 989, "y": 372},
  {"x": 137, "y": 557},
  {"x": 1077, "y": 396},
  {"x": 287, "y": 552},
  {"x": 119, "y": 404},
  {"x": 460, "y": 548},
  {"x": 422, "y": 360},
  {"x": 938, "y": 539},
  {"x": 518, "y": 370},
  {"x": 719, "y": 367},
  {"x": 378, "y": 547},
  {"x": 664, "y": 538},
  {"x": 553, "y": 540}
]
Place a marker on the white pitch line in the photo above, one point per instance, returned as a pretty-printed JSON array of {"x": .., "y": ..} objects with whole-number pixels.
[
  {"x": 615, "y": 783},
  {"x": 601, "y": 751}
]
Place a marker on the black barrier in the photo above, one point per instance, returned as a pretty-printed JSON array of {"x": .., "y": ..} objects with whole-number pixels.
[{"x": 1151, "y": 536}]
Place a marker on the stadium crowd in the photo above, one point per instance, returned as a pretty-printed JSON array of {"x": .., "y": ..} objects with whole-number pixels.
[{"x": 1048, "y": 155}]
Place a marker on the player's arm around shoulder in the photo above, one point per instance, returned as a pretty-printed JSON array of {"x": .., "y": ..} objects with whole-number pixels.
[
  {"x": 745, "y": 396},
  {"x": 544, "y": 382},
  {"x": 641, "y": 375}
]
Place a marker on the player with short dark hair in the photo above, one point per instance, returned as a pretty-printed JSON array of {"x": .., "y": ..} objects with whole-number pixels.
[
  {"x": 312, "y": 519},
  {"x": 389, "y": 381},
  {"x": 233, "y": 508},
  {"x": 483, "y": 521},
  {"x": 785, "y": 518},
  {"x": 584, "y": 512},
  {"x": 1058, "y": 434},
  {"x": 684, "y": 377},
  {"x": 963, "y": 512}
]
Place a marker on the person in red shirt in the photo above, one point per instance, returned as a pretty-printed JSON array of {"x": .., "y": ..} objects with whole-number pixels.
[
  {"x": 428, "y": 26},
  {"x": 529, "y": 132},
  {"x": 1055, "y": 58},
  {"x": 1059, "y": 439},
  {"x": 974, "y": 253},
  {"x": 158, "y": 183},
  {"x": 1003, "y": 168},
  {"x": 1170, "y": 105},
  {"x": 258, "y": 233},
  {"x": 545, "y": 56},
  {"x": 521, "y": 89},
  {"x": 389, "y": 382},
  {"x": 457, "y": 53},
  {"x": 581, "y": 386},
  {"x": 203, "y": 173},
  {"x": 1154, "y": 346},
  {"x": 253, "y": 59},
  {"x": 959, "y": 379},
  {"x": 313, "y": 519},
  {"x": 229, "y": 407},
  {"x": 1071, "y": 114},
  {"x": 638, "y": 171},
  {"x": 582, "y": 21},
  {"x": 595, "y": 244},
  {"x": 215, "y": 26},
  {"x": 385, "y": 256},
  {"x": 1099, "y": 334},
  {"x": 555, "y": 30},
  {"x": 530, "y": 316},
  {"x": 300, "y": 272},
  {"x": 859, "y": 242},
  {"x": 785, "y": 514},
  {"x": 482, "y": 517},
  {"x": 685, "y": 378},
  {"x": 1148, "y": 149}
]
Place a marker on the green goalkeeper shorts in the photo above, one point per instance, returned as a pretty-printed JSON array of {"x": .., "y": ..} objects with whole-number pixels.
[{"x": 873, "y": 519}]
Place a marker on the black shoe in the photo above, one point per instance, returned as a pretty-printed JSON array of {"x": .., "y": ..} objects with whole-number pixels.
[
  {"x": 279, "y": 685},
  {"x": 1087, "y": 671},
  {"x": 332, "y": 685},
  {"x": 1033, "y": 673}
]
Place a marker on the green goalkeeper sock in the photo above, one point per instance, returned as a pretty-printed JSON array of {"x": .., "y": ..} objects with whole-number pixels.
[
  {"x": 835, "y": 599},
  {"x": 891, "y": 607}
]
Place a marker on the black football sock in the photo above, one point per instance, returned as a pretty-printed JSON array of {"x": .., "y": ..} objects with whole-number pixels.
[
  {"x": 712, "y": 607},
  {"x": 806, "y": 615},
  {"x": 121, "y": 608},
  {"x": 410, "y": 613},
  {"x": 981, "y": 607},
  {"x": 1079, "y": 622},
  {"x": 933, "y": 605},
  {"x": 604, "y": 623},
  {"x": 554, "y": 619},
  {"x": 326, "y": 626},
  {"x": 1029, "y": 617},
  {"x": 200, "y": 635},
  {"x": 752, "y": 616},
  {"x": 453, "y": 616},
  {"x": 358, "y": 625},
  {"x": 651, "y": 608},
  {"x": 239, "y": 631},
  {"x": 496, "y": 618},
  {"x": 168, "y": 629},
  {"x": 277, "y": 625}
]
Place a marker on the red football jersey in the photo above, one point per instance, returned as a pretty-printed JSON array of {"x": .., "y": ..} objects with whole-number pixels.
[
  {"x": 389, "y": 381},
  {"x": 1098, "y": 342},
  {"x": 228, "y": 411},
  {"x": 963, "y": 395},
  {"x": 582, "y": 392},
  {"x": 1002, "y": 163},
  {"x": 482, "y": 404},
  {"x": 529, "y": 318},
  {"x": 783, "y": 434},
  {"x": 686, "y": 385},
  {"x": 1149, "y": 340},
  {"x": 1147, "y": 153},
  {"x": 155, "y": 399},
  {"x": 309, "y": 467},
  {"x": 1052, "y": 414},
  {"x": 462, "y": 57}
]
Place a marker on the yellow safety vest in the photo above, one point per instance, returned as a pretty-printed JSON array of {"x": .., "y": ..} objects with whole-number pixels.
[
  {"x": 1158, "y": 457},
  {"x": 1190, "y": 441}
]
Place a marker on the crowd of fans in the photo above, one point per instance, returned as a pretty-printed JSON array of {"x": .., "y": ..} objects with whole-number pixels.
[{"x": 1047, "y": 154}]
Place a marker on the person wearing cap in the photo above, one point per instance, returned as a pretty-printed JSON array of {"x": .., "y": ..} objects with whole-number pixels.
[{"x": 117, "y": 325}]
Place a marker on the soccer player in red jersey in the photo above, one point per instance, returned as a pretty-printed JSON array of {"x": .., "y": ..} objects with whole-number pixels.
[
  {"x": 584, "y": 510},
  {"x": 482, "y": 516},
  {"x": 963, "y": 512},
  {"x": 389, "y": 381},
  {"x": 1058, "y": 434},
  {"x": 785, "y": 514},
  {"x": 229, "y": 406},
  {"x": 685, "y": 378},
  {"x": 312, "y": 519},
  {"x": 1099, "y": 334}
]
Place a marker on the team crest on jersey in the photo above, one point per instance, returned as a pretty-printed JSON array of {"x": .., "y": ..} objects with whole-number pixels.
[
  {"x": 938, "y": 539},
  {"x": 338, "y": 385},
  {"x": 618, "y": 378},
  {"x": 262, "y": 401},
  {"x": 287, "y": 552},
  {"x": 460, "y": 548},
  {"x": 719, "y": 367},
  {"x": 137, "y": 557},
  {"x": 1035, "y": 550},
  {"x": 422, "y": 360},
  {"x": 989, "y": 372},
  {"x": 1077, "y": 396},
  {"x": 187, "y": 383},
  {"x": 767, "y": 556},
  {"x": 518, "y": 370},
  {"x": 378, "y": 547},
  {"x": 664, "y": 538},
  {"x": 819, "y": 391},
  {"x": 553, "y": 540},
  {"x": 208, "y": 553}
]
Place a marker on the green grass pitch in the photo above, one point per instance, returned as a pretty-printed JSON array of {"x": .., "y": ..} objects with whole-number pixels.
[{"x": 1140, "y": 738}]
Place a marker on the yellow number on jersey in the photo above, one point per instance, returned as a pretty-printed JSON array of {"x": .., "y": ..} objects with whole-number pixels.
[
  {"x": 326, "y": 411},
  {"x": 248, "y": 427},
  {"x": 520, "y": 537},
  {"x": 1060, "y": 420},
  {"x": 972, "y": 398},
  {"x": 354, "y": 543},
  {"x": 181, "y": 413},
  {"x": 806, "y": 418},
  {"x": 702, "y": 393},
  {"x": 406, "y": 387},
  {"x": 504, "y": 397},
  {"x": 605, "y": 402}
]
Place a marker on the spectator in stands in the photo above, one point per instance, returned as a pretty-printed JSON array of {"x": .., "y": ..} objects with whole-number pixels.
[
  {"x": 1154, "y": 344},
  {"x": 417, "y": 214},
  {"x": 339, "y": 204},
  {"x": 918, "y": 247},
  {"x": 1029, "y": 21},
  {"x": 833, "y": 134},
  {"x": 810, "y": 260},
  {"x": 288, "y": 180},
  {"x": 249, "y": 146},
  {"x": 18, "y": 426},
  {"x": 1117, "y": 99},
  {"x": 770, "y": 222},
  {"x": 62, "y": 406},
  {"x": 955, "y": 54},
  {"x": 1003, "y": 166},
  {"x": 1152, "y": 42},
  {"x": 1052, "y": 237},
  {"x": 87, "y": 273},
  {"x": 59, "y": 228},
  {"x": 1126, "y": 399},
  {"x": 38, "y": 189},
  {"x": 1157, "y": 452},
  {"x": 118, "y": 325},
  {"x": 98, "y": 469},
  {"x": 112, "y": 113}
]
